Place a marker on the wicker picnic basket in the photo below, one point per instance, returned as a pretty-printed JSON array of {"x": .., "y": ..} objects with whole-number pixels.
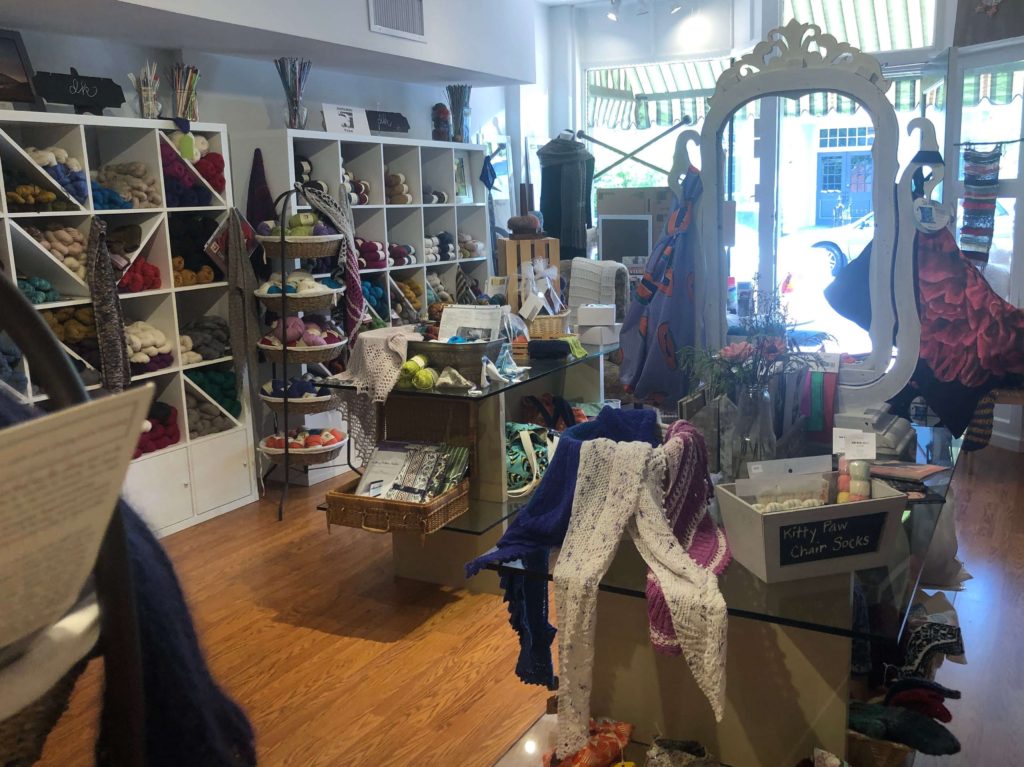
[
  {"x": 862, "y": 751},
  {"x": 323, "y": 246},
  {"x": 380, "y": 515}
]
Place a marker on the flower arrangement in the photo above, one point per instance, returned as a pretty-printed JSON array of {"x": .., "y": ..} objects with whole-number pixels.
[{"x": 751, "y": 363}]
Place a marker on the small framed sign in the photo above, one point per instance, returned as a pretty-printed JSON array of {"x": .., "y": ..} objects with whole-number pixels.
[
  {"x": 16, "y": 72},
  {"x": 339, "y": 118}
]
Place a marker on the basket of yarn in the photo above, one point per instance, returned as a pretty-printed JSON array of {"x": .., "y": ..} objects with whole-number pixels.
[
  {"x": 309, "y": 339},
  {"x": 861, "y": 749},
  {"x": 304, "y": 293},
  {"x": 306, "y": 447},
  {"x": 306, "y": 237},
  {"x": 464, "y": 357},
  {"x": 303, "y": 396},
  {"x": 381, "y": 515}
]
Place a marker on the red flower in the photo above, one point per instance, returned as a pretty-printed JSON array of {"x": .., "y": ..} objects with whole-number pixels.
[{"x": 740, "y": 351}]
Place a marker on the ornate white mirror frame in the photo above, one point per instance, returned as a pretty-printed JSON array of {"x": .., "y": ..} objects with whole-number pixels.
[{"x": 795, "y": 60}]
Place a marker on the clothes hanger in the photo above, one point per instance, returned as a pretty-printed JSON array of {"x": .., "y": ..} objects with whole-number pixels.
[
  {"x": 567, "y": 135},
  {"x": 681, "y": 159},
  {"x": 929, "y": 215}
]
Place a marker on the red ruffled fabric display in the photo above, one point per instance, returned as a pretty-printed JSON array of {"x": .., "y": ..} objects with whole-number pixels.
[{"x": 968, "y": 333}]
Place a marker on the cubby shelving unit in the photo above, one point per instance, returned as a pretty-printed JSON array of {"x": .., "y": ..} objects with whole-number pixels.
[
  {"x": 368, "y": 158},
  {"x": 193, "y": 480}
]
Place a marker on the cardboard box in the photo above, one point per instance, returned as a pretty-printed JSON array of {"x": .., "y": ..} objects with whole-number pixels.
[
  {"x": 595, "y": 314},
  {"x": 599, "y": 335},
  {"x": 806, "y": 543},
  {"x": 653, "y": 200}
]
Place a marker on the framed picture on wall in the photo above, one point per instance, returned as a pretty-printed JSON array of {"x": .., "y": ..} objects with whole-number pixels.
[{"x": 16, "y": 71}]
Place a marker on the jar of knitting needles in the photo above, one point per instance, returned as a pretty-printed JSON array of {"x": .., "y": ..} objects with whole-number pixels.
[
  {"x": 458, "y": 104},
  {"x": 294, "y": 73}
]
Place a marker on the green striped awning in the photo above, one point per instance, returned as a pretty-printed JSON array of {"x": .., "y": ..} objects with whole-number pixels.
[
  {"x": 651, "y": 94},
  {"x": 905, "y": 95},
  {"x": 997, "y": 86},
  {"x": 871, "y": 25}
]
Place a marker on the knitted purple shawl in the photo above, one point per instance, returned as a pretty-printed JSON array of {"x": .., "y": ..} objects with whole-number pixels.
[{"x": 686, "y": 505}]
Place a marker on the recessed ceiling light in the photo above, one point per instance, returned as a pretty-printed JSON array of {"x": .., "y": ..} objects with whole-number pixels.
[
  {"x": 613, "y": 14},
  {"x": 676, "y": 7}
]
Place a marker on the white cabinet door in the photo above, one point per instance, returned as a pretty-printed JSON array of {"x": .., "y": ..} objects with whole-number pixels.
[
  {"x": 159, "y": 488},
  {"x": 221, "y": 470}
]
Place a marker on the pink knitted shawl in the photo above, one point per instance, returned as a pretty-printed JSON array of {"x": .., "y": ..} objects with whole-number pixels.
[{"x": 686, "y": 506}]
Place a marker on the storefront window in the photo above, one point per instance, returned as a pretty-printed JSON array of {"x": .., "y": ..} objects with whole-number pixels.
[{"x": 882, "y": 25}]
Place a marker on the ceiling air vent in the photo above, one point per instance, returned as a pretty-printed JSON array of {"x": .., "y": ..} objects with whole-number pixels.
[{"x": 401, "y": 18}]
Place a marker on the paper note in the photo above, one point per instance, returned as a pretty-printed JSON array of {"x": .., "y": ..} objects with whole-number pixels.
[
  {"x": 839, "y": 438},
  {"x": 63, "y": 473},
  {"x": 861, "y": 445}
]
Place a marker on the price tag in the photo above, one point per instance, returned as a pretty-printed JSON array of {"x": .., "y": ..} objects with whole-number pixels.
[
  {"x": 861, "y": 446},
  {"x": 839, "y": 437}
]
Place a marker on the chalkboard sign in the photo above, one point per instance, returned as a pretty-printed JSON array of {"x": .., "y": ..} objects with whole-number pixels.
[
  {"x": 830, "y": 538},
  {"x": 387, "y": 122},
  {"x": 86, "y": 94}
]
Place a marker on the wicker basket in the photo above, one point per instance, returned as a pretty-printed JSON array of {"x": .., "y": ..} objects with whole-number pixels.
[
  {"x": 463, "y": 357},
  {"x": 295, "y": 303},
  {"x": 862, "y": 751},
  {"x": 300, "y": 405},
  {"x": 549, "y": 326},
  {"x": 302, "y": 355},
  {"x": 379, "y": 515},
  {"x": 310, "y": 457},
  {"x": 324, "y": 246}
]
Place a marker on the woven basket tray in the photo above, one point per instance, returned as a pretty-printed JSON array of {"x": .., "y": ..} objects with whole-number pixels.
[
  {"x": 296, "y": 303},
  {"x": 325, "y": 246},
  {"x": 862, "y": 751},
  {"x": 463, "y": 357},
  {"x": 379, "y": 515},
  {"x": 549, "y": 326},
  {"x": 304, "y": 457},
  {"x": 301, "y": 405},
  {"x": 302, "y": 356}
]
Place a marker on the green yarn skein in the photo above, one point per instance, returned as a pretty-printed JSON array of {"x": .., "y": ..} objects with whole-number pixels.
[{"x": 425, "y": 379}]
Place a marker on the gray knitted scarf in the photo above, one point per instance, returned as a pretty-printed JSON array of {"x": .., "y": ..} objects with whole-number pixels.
[
  {"x": 572, "y": 156},
  {"x": 106, "y": 304},
  {"x": 339, "y": 215}
]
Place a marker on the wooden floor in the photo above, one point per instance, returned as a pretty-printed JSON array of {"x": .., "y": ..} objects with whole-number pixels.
[{"x": 339, "y": 664}]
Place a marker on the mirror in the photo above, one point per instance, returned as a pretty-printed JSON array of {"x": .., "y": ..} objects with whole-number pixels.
[{"x": 795, "y": 61}]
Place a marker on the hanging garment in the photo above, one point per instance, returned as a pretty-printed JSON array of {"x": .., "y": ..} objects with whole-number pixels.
[
  {"x": 686, "y": 509},
  {"x": 540, "y": 526},
  {"x": 981, "y": 182},
  {"x": 106, "y": 304},
  {"x": 619, "y": 489},
  {"x": 567, "y": 180},
  {"x": 339, "y": 215},
  {"x": 189, "y": 720},
  {"x": 662, "y": 319},
  {"x": 971, "y": 340}
]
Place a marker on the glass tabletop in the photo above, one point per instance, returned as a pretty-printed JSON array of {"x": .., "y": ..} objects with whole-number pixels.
[
  {"x": 536, "y": 370},
  {"x": 822, "y": 603}
]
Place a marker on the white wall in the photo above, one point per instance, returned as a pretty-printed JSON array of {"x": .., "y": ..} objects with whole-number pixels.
[
  {"x": 460, "y": 33},
  {"x": 247, "y": 95},
  {"x": 702, "y": 27}
]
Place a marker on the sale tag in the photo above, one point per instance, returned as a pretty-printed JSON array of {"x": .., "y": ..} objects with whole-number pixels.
[{"x": 861, "y": 446}]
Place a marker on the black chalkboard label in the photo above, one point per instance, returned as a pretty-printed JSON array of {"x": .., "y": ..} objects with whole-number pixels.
[
  {"x": 830, "y": 538},
  {"x": 86, "y": 94},
  {"x": 387, "y": 122}
]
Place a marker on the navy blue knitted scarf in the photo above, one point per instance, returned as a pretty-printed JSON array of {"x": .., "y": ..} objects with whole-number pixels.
[
  {"x": 189, "y": 719},
  {"x": 541, "y": 526}
]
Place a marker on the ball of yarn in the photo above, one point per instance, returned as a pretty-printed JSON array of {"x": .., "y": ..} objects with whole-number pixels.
[{"x": 425, "y": 379}]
